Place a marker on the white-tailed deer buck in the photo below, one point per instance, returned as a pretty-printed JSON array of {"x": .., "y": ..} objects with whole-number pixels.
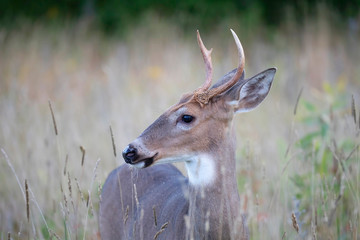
[{"x": 155, "y": 200}]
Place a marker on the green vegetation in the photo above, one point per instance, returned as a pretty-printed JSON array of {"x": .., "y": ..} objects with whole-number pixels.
[
  {"x": 117, "y": 16},
  {"x": 327, "y": 184}
]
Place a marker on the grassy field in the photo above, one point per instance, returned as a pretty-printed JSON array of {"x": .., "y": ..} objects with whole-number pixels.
[{"x": 305, "y": 164}]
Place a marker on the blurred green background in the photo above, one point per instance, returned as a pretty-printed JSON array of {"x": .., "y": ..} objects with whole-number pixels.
[
  {"x": 115, "y": 16},
  {"x": 123, "y": 63}
]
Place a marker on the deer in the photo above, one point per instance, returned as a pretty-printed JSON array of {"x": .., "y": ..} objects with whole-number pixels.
[{"x": 149, "y": 198}]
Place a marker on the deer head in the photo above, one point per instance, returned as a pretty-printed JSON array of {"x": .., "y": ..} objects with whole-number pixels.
[{"x": 200, "y": 123}]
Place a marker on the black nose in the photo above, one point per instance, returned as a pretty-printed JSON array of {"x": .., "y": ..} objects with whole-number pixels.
[{"x": 130, "y": 154}]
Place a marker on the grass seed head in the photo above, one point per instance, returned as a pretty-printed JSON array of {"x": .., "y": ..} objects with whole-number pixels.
[
  {"x": 294, "y": 222},
  {"x": 162, "y": 229},
  {"x": 82, "y": 149},
  {"x": 53, "y": 119},
  {"x": 113, "y": 142}
]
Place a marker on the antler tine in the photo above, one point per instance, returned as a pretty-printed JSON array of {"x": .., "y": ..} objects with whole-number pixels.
[
  {"x": 239, "y": 71},
  {"x": 208, "y": 64}
]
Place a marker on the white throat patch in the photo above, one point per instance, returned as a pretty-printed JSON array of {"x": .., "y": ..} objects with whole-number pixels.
[
  {"x": 138, "y": 165},
  {"x": 200, "y": 169}
]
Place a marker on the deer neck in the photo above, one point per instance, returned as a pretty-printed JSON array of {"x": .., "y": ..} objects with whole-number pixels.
[{"x": 213, "y": 194}]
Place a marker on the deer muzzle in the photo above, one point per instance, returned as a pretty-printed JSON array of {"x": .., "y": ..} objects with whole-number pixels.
[
  {"x": 134, "y": 156},
  {"x": 130, "y": 154}
]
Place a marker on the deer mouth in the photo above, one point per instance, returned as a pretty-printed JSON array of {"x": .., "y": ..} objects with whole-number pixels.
[{"x": 144, "y": 163}]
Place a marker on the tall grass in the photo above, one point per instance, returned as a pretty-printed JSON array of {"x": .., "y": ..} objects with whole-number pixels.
[{"x": 306, "y": 164}]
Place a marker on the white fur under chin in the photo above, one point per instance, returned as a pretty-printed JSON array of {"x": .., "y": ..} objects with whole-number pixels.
[
  {"x": 200, "y": 167},
  {"x": 201, "y": 170},
  {"x": 138, "y": 165}
]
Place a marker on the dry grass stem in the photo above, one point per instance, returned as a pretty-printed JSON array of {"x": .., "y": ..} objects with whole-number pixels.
[
  {"x": 9, "y": 235},
  {"x": 134, "y": 228},
  {"x": 136, "y": 197},
  {"x": 91, "y": 206},
  {"x": 79, "y": 190},
  {"x": 142, "y": 223},
  {"x": 155, "y": 219},
  {"x": 53, "y": 234},
  {"x": 89, "y": 197},
  {"x": 162, "y": 229},
  {"x": 347, "y": 175},
  {"x": 33, "y": 199},
  {"x": 27, "y": 201},
  {"x": 294, "y": 222},
  {"x": 297, "y": 100},
  {"x": 333, "y": 211},
  {"x": 126, "y": 214},
  {"x": 351, "y": 153},
  {"x": 95, "y": 172},
  {"x": 87, "y": 200},
  {"x": 69, "y": 185},
  {"x": 53, "y": 118},
  {"x": 13, "y": 170},
  {"x": 359, "y": 120},
  {"x": 66, "y": 162},
  {"x": 113, "y": 141},
  {"x": 70, "y": 191},
  {"x": 66, "y": 205},
  {"x": 121, "y": 194},
  {"x": 353, "y": 111},
  {"x": 313, "y": 230},
  {"x": 99, "y": 190},
  {"x": 82, "y": 149},
  {"x": 283, "y": 236}
]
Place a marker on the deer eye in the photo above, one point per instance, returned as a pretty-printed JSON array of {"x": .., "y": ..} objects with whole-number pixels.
[{"x": 187, "y": 118}]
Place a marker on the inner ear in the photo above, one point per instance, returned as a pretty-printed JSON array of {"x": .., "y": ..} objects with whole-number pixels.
[
  {"x": 250, "y": 94},
  {"x": 227, "y": 77},
  {"x": 232, "y": 91}
]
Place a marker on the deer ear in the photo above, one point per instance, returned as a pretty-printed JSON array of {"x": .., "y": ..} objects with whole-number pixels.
[{"x": 247, "y": 96}]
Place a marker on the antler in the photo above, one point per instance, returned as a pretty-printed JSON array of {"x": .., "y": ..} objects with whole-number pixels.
[
  {"x": 203, "y": 95},
  {"x": 208, "y": 64},
  {"x": 199, "y": 93}
]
